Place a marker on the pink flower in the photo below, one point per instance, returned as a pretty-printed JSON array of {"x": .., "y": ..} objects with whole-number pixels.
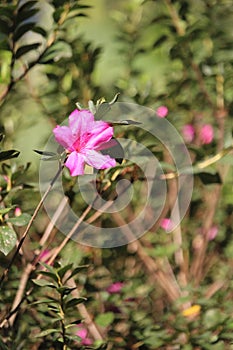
[
  {"x": 166, "y": 224},
  {"x": 206, "y": 134},
  {"x": 82, "y": 333},
  {"x": 115, "y": 288},
  {"x": 162, "y": 111},
  {"x": 188, "y": 132},
  {"x": 82, "y": 139},
  {"x": 212, "y": 233}
]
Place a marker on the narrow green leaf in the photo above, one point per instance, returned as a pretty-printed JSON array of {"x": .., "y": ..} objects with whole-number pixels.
[
  {"x": 8, "y": 239},
  {"x": 5, "y": 155},
  {"x": 73, "y": 302},
  {"x": 43, "y": 283},
  {"x": 21, "y": 30},
  {"x": 25, "y": 15},
  {"x": 21, "y": 220},
  {"x": 50, "y": 274},
  {"x": 26, "y": 48},
  {"x": 4, "y": 211},
  {"x": 46, "y": 332},
  {"x": 45, "y": 153},
  {"x": 76, "y": 271},
  {"x": 40, "y": 31},
  {"x": 62, "y": 271},
  {"x": 27, "y": 6}
]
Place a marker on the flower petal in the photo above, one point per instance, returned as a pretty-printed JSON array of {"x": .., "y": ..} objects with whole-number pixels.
[
  {"x": 98, "y": 160},
  {"x": 80, "y": 122},
  {"x": 100, "y": 133},
  {"x": 75, "y": 163},
  {"x": 64, "y": 137}
]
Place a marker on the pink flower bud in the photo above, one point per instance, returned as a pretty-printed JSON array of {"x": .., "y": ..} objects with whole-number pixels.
[
  {"x": 18, "y": 211},
  {"x": 188, "y": 132},
  {"x": 206, "y": 134},
  {"x": 115, "y": 287},
  {"x": 82, "y": 333},
  {"x": 166, "y": 224},
  {"x": 162, "y": 111},
  {"x": 212, "y": 233}
]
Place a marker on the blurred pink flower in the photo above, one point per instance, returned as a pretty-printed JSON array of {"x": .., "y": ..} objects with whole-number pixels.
[
  {"x": 162, "y": 111},
  {"x": 82, "y": 139},
  {"x": 212, "y": 233},
  {"x": 82, "y": 333},
  {"x": 115, "y": 287},
  {"x": 206, "y": 134},
  {"x": 188, "y": 132},
  {"x": 44, "y": 256},
  {"x": 18, "y": 211},
  {"x": 166, "y": 224}
]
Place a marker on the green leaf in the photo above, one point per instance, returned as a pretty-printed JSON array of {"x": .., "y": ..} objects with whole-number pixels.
[
  {"x": 105, "y": 319},
  {"x": 25, "y": 15},
  {"x": 8, "y": 239},
  {"x": 40, "y": 31},
  {"x": 21, "y": 30},
  {"x": 57, "y": 51},
  {"x": 43, "y": 283},
  {"x": 73, "y": 302},
  {"x": 5, "y": 155},
  {"x": 76, "y": 271},
  {"x": 27, "y": 6},
  {"x": 50, "y": 274},
  {"x": 26, "y": 48},
  {"x": 65, "y": 290},
  {"x": 21, "y": 220},
  {"x": 49, "y": 154},
  {"x": 46, "y": 332},
  {"x": 4, "y": 211},
  {"x": 62, "y": 271}
]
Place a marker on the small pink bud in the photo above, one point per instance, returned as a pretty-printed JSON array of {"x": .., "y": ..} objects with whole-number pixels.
[
  {"x": 18, "y": 211},
  {"x": 115, "y": 287},
  {"x": 206, "y": 134},
  {"x": 212, "y": 233},
  {"x": 162, "y": 111},
  {"x": 188, "y": 132},
  {"x": 166, "y": 224}
]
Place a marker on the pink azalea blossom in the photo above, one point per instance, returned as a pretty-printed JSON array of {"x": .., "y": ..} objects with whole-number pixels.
[
  {"x": 162, "y": 111},
  {"x": 166, "y": 224},
  {"x": 82, "y": 139},
  {"x": 83, "y": 334},
  {"x": 206, "y": 134},
  {"x": 115, "y": 288},
  {"x": 188, "y": 132}
]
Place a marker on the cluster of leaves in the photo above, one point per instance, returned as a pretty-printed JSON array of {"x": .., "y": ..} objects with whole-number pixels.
[{"x": 9, "y": 185}]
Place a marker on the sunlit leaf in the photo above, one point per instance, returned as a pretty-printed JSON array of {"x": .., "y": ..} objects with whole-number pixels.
[
  {"x": 26, "y": 48},
  {"x": 105, "y": 319},
  {"x": 20, "y": 220},
  {"x": 8, "y": 239},
  {"x": 22, "y": 29}
]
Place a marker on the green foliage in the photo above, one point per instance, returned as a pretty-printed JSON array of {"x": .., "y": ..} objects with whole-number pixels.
[{"x": 177, "y": 289}]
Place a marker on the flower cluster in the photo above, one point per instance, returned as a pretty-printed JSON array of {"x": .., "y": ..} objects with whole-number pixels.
[{"x": 206, "y": 133}]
